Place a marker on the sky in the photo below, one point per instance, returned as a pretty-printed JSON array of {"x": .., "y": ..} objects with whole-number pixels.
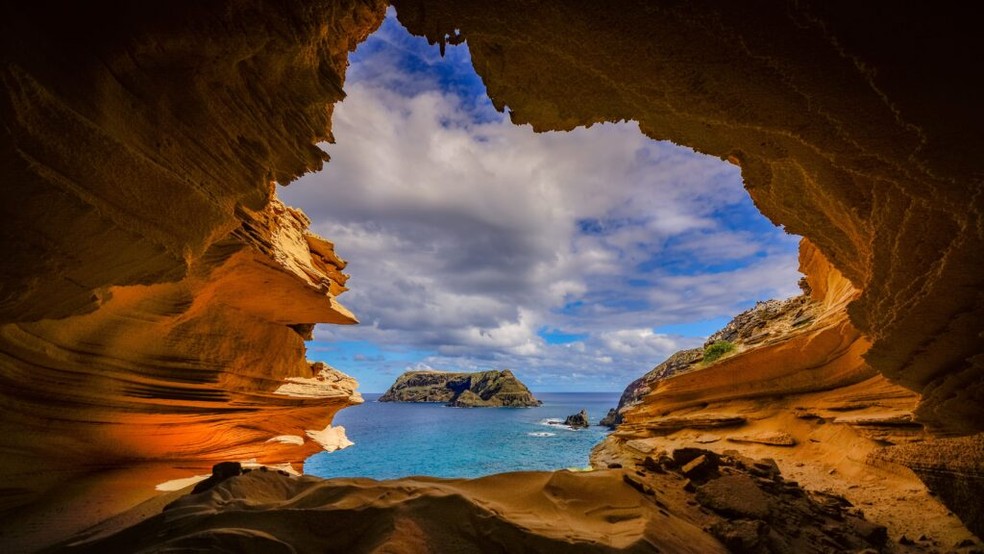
[{"x": 579, "y": 260}]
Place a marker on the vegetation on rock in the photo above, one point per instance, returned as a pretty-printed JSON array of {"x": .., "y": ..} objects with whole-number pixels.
[
  {"x": 715, "y": 351},
  {"x": 461, "y": 390}
]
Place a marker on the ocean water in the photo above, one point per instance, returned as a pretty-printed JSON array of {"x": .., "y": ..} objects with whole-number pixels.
[{"x": 403, "y": 439}]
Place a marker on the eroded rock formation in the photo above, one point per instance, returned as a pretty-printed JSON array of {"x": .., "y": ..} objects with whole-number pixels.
[
  {"x": 482, "y": 389},
  {"x": 664, "y": 506},
  {"x": 802, "y": 395},
  {"x": 155, "y": 296},
  {"x": 140, "y": 142}
]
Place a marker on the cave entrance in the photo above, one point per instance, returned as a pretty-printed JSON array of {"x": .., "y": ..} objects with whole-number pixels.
[{"x": 581, "y": 259}]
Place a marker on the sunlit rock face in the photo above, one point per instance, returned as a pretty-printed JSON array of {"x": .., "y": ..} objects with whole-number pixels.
[
  {"x": 798, "y": 390},
  {"x": 155, "y": 296},
  {"x": 854, "y": 126}
]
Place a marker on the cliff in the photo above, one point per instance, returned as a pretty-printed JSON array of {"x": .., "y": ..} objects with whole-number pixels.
[
  {"x": 156, "y": 295},
  {"x": 484, "y": 389},
  {"x": 797, "y": 390}
]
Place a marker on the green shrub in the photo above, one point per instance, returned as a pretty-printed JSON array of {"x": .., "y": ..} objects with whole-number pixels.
[{"x": 716, "y": 350}]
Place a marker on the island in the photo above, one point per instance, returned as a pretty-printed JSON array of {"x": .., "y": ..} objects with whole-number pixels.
[{"x": 483, "y": 389}]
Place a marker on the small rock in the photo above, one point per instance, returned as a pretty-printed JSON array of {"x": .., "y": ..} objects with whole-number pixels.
[
  {"x": 906, "y": 540},
  {"x": 734, "y": 495},
  {"x": 578, "y": 420},
  {"x": 707, "y": 438},
  {"x": 766, "y": 467},
  {"x": 874, "y": 534},
  {"x": 652, "y": 465},
  {"x": 611, "y": 420},
  {"x": 741, "y": 535},
  {"x": 220, "y": 472},
  {"x": 637, "y": 484},
  {"x": 696, "y": 463}
]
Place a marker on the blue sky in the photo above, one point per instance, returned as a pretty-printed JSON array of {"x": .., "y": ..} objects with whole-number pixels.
[{"x": 579, "y": 260}]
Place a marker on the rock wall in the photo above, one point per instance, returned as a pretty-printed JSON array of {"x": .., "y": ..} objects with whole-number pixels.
[
  {"x": 155, "y": 297},
  {"x": 803, "y": 396},
  {"x": 855, "y": 126}
]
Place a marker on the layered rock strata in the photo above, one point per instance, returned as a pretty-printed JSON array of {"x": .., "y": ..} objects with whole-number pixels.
[
  {"x": 207, "y": 368},
  {"x": 483, "y": 389},
  {"x": 803, "y": 396},
  {"x": 136, "y": 136},
  {"x": 155, "y": 297}
]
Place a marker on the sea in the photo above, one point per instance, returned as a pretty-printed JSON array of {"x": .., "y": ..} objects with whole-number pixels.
[{"x": 395, "y": 440}]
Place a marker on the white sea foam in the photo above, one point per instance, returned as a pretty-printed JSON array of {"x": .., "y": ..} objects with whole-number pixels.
[
  {"x": 542, "y": 434},
  {"x": 557, "y": 424}
]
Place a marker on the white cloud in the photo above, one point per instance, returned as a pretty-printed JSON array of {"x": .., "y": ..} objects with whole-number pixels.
[{"x": 467, "y": 236}]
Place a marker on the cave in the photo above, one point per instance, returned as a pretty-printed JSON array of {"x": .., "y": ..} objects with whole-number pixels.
[{"x": 142, "y": 145}]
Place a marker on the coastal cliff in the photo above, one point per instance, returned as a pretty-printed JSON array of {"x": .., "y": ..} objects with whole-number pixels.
[
  {"x": 484, "y": 389},
  {"x": 796, "y": 389}
]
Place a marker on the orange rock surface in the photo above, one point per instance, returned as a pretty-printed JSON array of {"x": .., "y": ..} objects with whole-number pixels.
[{"x": 155, "y": 295}]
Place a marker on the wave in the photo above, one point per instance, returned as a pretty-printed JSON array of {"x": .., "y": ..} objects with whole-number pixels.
[
  {"x": 557, "y": 423},
  {"x": 542, "y": 434}
]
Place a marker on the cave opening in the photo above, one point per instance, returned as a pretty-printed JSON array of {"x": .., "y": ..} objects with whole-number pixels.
[
  {"x": 475, "y": 242},
  {"x": 143, "y": 143},
  {"x": 578, "y": 259}
]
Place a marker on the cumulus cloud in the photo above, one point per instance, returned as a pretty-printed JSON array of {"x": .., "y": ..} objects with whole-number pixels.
[{"x": 469, "y": 238}]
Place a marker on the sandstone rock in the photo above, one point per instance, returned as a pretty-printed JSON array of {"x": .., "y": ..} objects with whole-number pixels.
[
  {"x": 696, "y": 421},
  {"x": 742, "y": 535},
  {"x": 775, "y": 438},
  {"x": 734, "y": 496},
  {"x": 220, "y": 472},
  {"x": 463, "y": 390}
]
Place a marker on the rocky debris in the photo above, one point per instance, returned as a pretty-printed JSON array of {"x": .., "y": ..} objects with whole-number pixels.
[
  {"x": 611, "y": 419},
  {"x": 777, "y": 438},
  {"x": 578, "y": 420},
  {"x": 735, "y": 496},
  {"x": 220, "y": 472},
  {"x": 749, "y": 507},
  {"x": 484, "y": 389},
  {"x": 756, "y": 320}
]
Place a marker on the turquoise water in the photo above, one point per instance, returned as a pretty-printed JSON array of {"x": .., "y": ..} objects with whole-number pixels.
[{"x": 398, "y": 440}]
